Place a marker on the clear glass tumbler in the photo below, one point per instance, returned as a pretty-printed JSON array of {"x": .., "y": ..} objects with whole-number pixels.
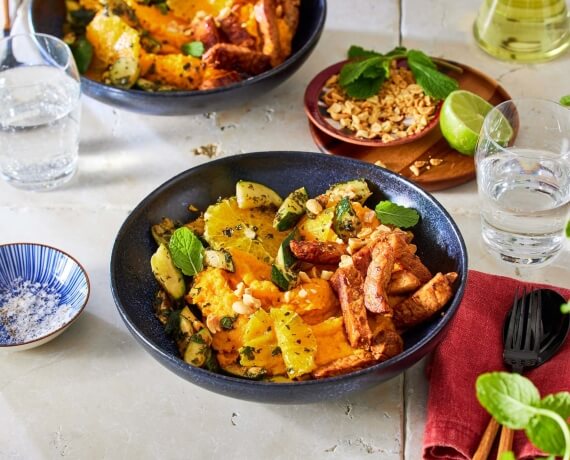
[
  {"x": 39, "y": 111},
  {"x": 523, "y": 177}
]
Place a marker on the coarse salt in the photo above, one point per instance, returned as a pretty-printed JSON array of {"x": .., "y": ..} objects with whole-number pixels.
[{"x": 29, "y": 311}]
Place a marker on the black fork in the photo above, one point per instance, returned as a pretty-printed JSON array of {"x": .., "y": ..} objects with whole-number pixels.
[
  {"x": 524, "y": 332},
  {"x": 522, "y": 345}
]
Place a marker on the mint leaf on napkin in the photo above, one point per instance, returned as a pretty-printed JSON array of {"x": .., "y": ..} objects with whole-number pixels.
[
  {"x": 187, "y": 251},
  {"x": 515, "y": 402},
  {"x": 393, "y": 214},
  {"x": 565, "y": 100}
]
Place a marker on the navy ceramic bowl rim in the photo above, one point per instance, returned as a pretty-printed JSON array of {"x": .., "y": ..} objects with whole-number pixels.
[
  {"x": 307, "y": 45},
  {"x": 76, "y": 315},
  {"x": 236, "y": 381}
]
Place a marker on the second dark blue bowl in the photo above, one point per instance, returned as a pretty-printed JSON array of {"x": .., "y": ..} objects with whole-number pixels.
[{"x": 47, "y": 16}]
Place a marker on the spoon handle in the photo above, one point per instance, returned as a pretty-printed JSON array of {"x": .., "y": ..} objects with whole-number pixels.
[{"x": 505, "y": 442}]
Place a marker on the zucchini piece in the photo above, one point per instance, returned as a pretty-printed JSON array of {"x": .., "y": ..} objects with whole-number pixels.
[
  {"x": 82, "y": 52},
  {"x": 291, "y": 210},
  {"x": 354, "y": 190},
  {"x": 167, "y": 274},
  {"x": 124, "y": 72},
  {"x": 254, "y": 195},
  {"x": 162, "y": 231},
  {"x": 198, "y": 348},
  {"x": 252, "y": 373},
  {"x": 219, "y": 259},
  {"x": 162, "y": 306},
  {"x": 283, "y": 279},
  {"x": 345, "y": 223},
  {"x": 285, "y": 258}
]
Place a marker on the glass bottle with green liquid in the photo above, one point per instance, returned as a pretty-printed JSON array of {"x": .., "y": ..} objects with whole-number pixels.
[{"x": 523, "y": 30}]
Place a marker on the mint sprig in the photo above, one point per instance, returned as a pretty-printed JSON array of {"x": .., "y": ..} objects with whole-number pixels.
[
  {"x": 515, "y": 402},
  {"x": 368, "y": 70},
  {"x": 187, "y": 251},
  {"x": 393, "y": 214},
  {"x": 565, "y": 100}
]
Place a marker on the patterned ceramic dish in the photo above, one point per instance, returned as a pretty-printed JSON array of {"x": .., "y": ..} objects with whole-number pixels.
[{"x": 42, "y": 292}]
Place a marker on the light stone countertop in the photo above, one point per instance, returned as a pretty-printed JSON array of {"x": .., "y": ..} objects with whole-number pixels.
[{"x": 93, "y": 393}]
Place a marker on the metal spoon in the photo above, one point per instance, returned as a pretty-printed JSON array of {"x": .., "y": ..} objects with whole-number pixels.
[{"x": 556, "y": 326}]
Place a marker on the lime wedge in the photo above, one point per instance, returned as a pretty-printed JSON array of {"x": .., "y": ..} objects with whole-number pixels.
[{"x": 461, "y": 119}]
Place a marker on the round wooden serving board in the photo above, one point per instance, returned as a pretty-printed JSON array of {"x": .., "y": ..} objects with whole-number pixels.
[{"x": 455, "y": 169}]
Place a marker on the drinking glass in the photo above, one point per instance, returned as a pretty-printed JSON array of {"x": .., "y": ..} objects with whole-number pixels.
[
  {"x": 523, "y": 30},
  {"x": 523, "y": 177},
  {"x": 39, "y": 111}
]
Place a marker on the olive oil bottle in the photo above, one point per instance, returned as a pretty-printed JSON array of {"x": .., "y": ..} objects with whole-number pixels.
[{"x": 523, "y": 30}]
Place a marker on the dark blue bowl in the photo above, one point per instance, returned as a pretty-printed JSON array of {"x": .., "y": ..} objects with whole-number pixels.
[
  {"x": 47, "y": 16},
  {"x": 439, "y": 242}
]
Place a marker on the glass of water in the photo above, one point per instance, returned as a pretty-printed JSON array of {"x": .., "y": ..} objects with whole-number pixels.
[
  {"x": 39, "y": 111},
  {"x": 523, "y": 177}
]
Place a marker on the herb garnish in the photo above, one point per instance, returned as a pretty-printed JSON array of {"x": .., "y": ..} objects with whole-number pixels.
[
  {"x": 565, "y": 100},
  {"x": 187, "y": 251},
  {"x": 393, "y": 214},
  {"x": 227, "y": 322},
  {"x": 364, "y": 75},
  {"x": 195, "y": 48},
  {"x": 515, "y": 402}
]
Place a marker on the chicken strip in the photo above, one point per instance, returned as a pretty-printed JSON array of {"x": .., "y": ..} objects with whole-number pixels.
[
  {"x": 205, "y": 30},
  {"x": 226, "y": 56},
  {"x": 348, "y": 285},
  {"x": 386, "y": 342},
  {"x": 413, "y": 264},
  {"x": 377, "y": 278},
  {"x": 218, "y": 79},
  {"x": 265, "y": 15},
  {"x": 235, "y": 32},
  {"x": 425, "y": 302},
  {"x": 318, "y": 252},
  {"x": 403, "y": 281},
  {"x": 359, "y": 360}
]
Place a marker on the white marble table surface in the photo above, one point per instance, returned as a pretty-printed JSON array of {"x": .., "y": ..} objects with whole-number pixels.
[{"x": 93, "y": 393}]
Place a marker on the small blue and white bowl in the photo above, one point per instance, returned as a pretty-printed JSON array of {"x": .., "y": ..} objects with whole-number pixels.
[{"x": 42, "y": 292}]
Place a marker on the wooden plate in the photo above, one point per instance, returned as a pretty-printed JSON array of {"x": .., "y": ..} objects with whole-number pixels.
[{"x": 455, "y": 169}]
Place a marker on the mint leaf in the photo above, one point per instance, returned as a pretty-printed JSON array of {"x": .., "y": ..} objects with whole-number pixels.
[
  {"x": 393, "y": 214},
  {"x": 187, "y": 251},
  {"x": 353, "y": 70},
  {"x": 359, "y": 52},
  {"x": 557, "y": 402},
  {"x": 510, "y": 398},
  {"x": 433, "y": 82},
  {"x": 543, "y": 431},
  {"x": 420, "y": 58},
  {"x": 364, "y": 88},
  {"x": 568, "y": 229},
  {"x": 565, "y": 308},
  {"x": 565, "y": 100},
  {"x": 195, "y": 48}
]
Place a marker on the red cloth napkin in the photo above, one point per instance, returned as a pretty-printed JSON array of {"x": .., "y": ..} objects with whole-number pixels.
[{"x": 455, "y": 419}]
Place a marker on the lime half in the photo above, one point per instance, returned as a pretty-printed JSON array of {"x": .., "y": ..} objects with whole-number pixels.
[{"x": 461, "y": 119}]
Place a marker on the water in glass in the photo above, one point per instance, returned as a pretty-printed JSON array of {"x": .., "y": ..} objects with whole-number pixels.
[
  {"x": 523, "y": 176},
  {"x": 39, "y": 126}
]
